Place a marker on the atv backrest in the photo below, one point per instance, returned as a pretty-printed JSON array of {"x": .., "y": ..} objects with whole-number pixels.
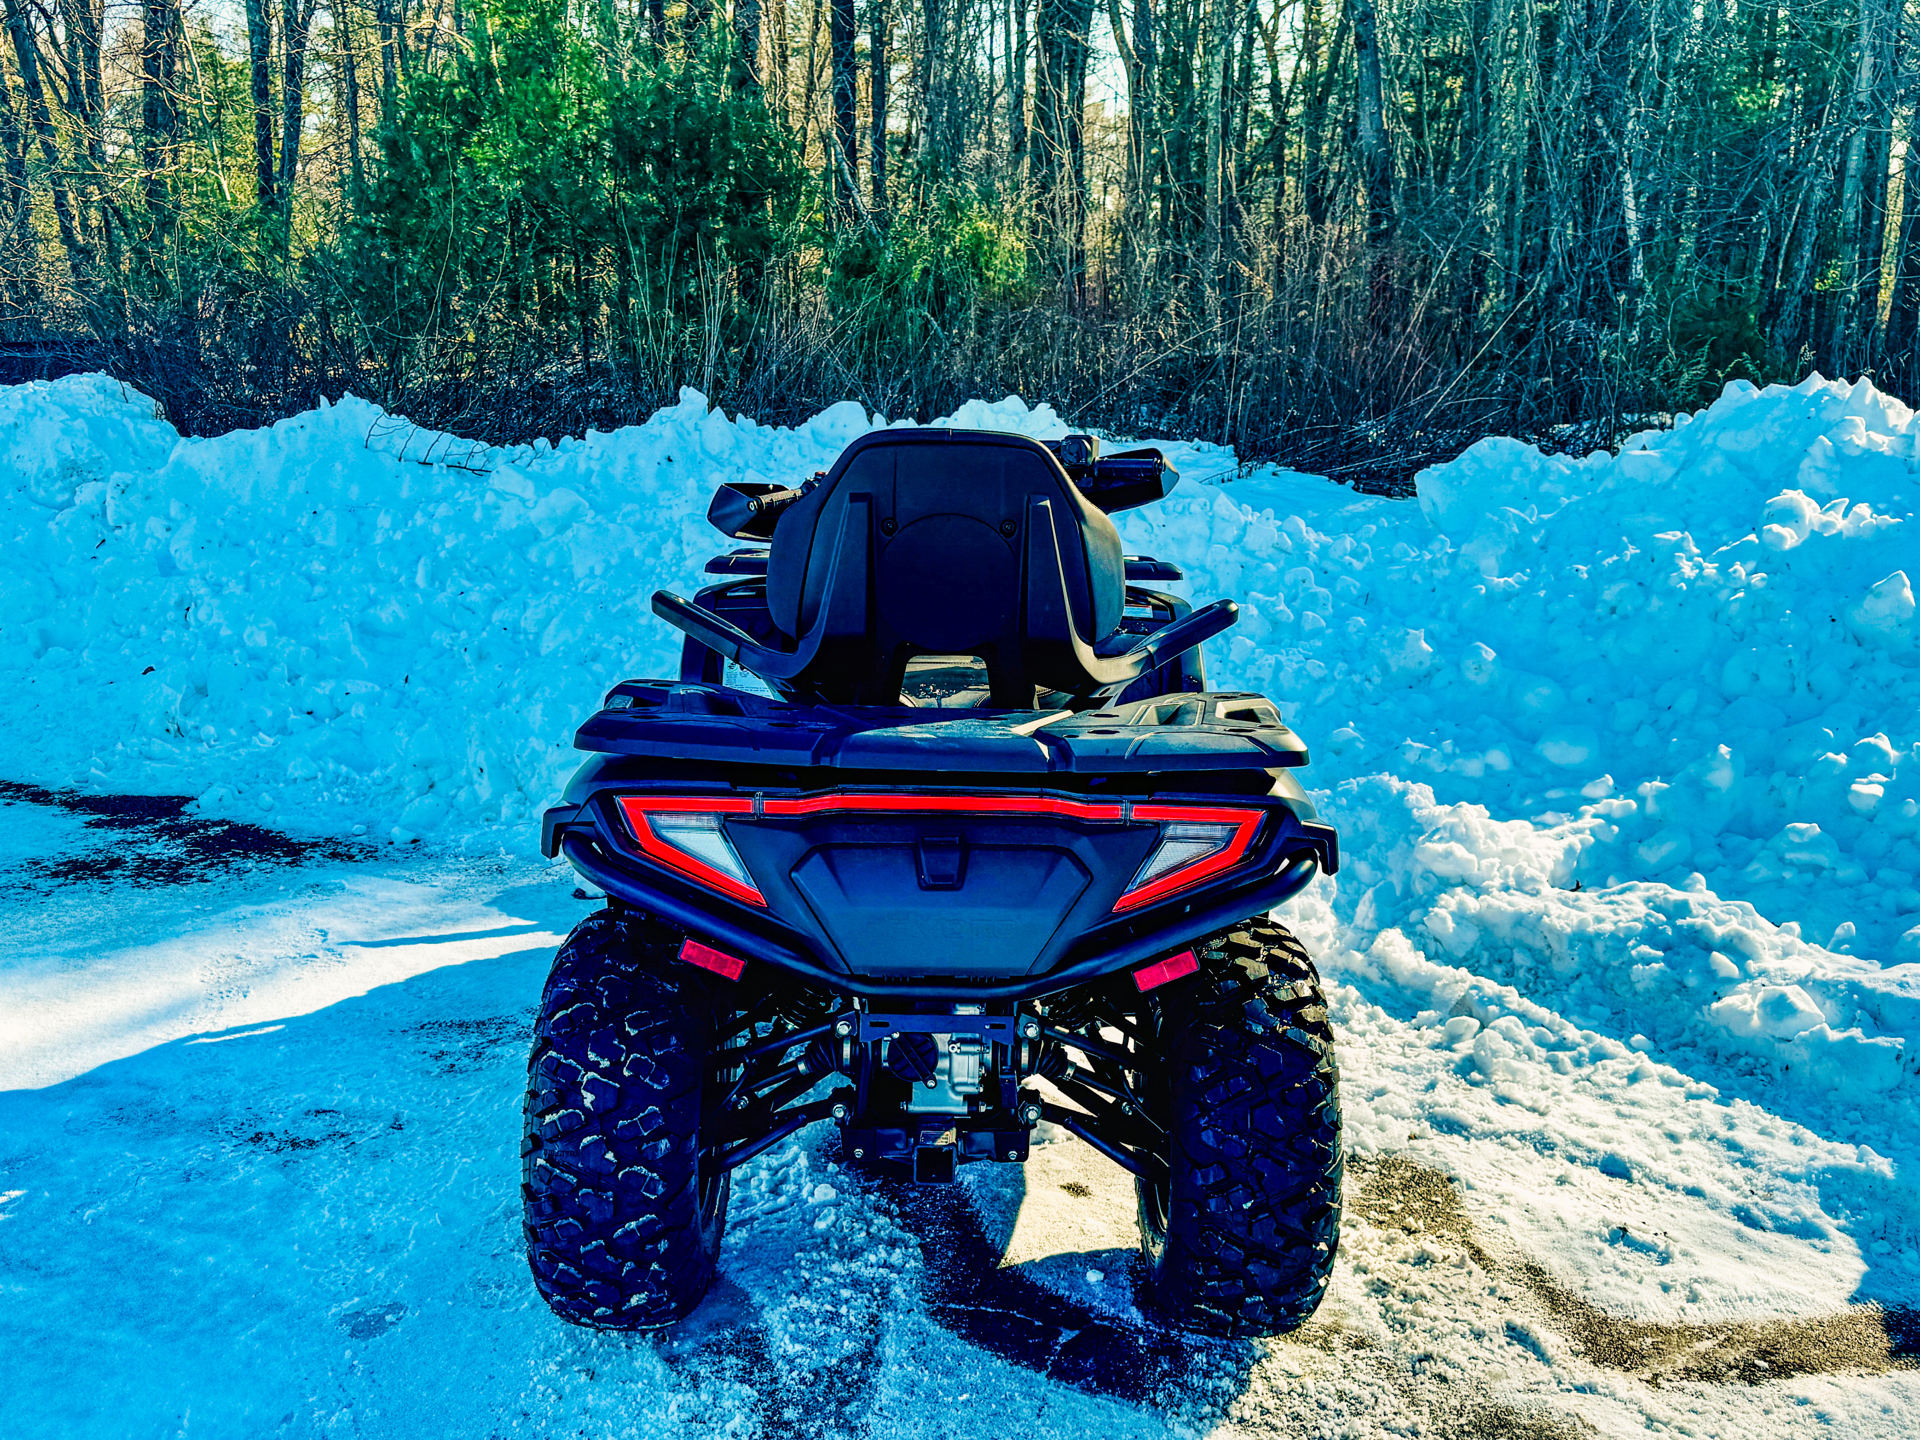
[{"x": 948, "y": 513}]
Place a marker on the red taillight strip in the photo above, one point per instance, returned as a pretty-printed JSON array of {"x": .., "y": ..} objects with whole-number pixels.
[
  {"x": 1246, "y": 823},
  {"x": 697, "y": 805},
  {"x": 635, "y": 808},
  {"x": 976, "y": 805}
]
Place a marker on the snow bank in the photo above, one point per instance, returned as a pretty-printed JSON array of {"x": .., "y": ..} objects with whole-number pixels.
[
  {"x": 343, "y": 622},
  {"x": 1666, "y": 970},
  {"x": 1642, "y": 726},
  {"x": 1638, "y": 729},
  {"x": 1702, "y": 648},
  {"x": 325, "y": 624}
]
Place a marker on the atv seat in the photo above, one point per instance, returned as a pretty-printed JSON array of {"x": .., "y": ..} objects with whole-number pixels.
[{"x": 942, "y": 542}]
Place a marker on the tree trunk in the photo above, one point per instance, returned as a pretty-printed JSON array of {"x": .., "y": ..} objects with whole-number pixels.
[
  {"x": 1792, "y": 331},
  {"x": 1220, "y": 28},
  {"x": 1845, "y": 314},
  {"x": 810, "y": 76},
  {"x": 1370, "y": 124},
  {"x": 1017, "y": 91},
  {"x": 1901, "y": 341},
  {"x": 844, "y": 157},
  {"x": 779, "y": 56},
  {"x": 297, "y": 25},
  {"x": 350, "y": 66},
  {"x": 1144, "y": 132},
  {"x": 26, "y": 57},
  {"x": 877, "y": 62},
  {"x": 1307, "y": 70},
  {"x": 747, "y": 22},
  {"x": 1240, "y": 105},
  {"x": 20, "y": 238},
  {"x": 81, "y": 23},
  {"x": 1864, "y": 340},
  {"x": 1279, "y": 102},
  {"x": 159, "y": 107},
  {"x": 1315, "y": 179},
  {"x": 259, "y": 54},
  {"x": 403, "y": 44},
  {"x": 1061, "y": 27},
  {"x": 1078, "y": 50},
  {"x": 389, "y": 68},
  {"x": 1136, "y": 144},
  {"x": 1901, "y": 59},
  {"x": 930, "y": 120}
]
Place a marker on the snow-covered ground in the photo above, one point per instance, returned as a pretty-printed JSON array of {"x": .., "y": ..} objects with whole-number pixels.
[{"x": 1623, "y": 956}]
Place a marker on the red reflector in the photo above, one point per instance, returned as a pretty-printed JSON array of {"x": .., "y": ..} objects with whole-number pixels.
[
  {"x": 1171, "y": 969},
  {"x": 709, "y": 959}
]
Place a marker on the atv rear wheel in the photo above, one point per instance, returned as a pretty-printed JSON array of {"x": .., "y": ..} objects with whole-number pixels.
[
  {"x": 622, "y": 1225},
  {"x": 1240, "y": 1238}
]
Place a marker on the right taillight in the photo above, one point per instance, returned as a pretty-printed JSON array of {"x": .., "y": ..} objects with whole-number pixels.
[{"x": 1196, "y": 844}]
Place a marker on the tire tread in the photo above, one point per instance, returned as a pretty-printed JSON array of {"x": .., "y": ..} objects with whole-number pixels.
[
  {"x": 610, "y": 1159},
  {"x": 1254, "y": 1216}
]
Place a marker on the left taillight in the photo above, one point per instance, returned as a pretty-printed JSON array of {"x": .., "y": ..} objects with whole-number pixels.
[
  {"x": 688, "y": 836},
  {"x": 1196, "y": 844}
]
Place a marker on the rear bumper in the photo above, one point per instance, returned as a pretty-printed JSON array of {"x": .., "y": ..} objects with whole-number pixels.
[
  {"x": 1290, "y": 854},
  {"x": 792, "y": 953}
]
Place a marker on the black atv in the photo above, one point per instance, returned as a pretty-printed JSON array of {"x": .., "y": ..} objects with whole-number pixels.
[{"x": 984, "y": 852}]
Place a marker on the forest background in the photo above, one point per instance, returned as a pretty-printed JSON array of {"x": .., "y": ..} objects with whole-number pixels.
[{"x": 1351, "y": 235}]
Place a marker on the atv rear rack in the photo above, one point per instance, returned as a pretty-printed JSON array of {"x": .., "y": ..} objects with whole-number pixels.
[{"x": 691, "y": 720}]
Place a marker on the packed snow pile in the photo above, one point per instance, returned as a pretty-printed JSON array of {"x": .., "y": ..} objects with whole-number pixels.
[
  {"x": 1700, "y": 653},
  {"x": 1642, "y": 726},
  {"x": 1640, "y": 729},
  {"x": 341, "y": 622}
]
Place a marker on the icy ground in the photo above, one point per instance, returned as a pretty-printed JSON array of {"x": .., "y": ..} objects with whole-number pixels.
[{"x": 1623, "y": 958}]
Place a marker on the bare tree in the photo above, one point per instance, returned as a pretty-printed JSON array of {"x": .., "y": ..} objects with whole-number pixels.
[
  {"x": 296, "y": 26},
  {"x": 260, "y": 72},
  {"x": 1370, "y": 127},
  {"x": 878, "y": 40},
  {"x": 844, "y": 154},
  {"x": 1017, "y": 65},
  {"x": 1901, "y": 339},
  {"x": 747, "y": 25},
  {"x": 159, "y": 98},
  {"x": 19, "y": 245},
  {"x": 1220, "y": 28},
  {"x": 27, "y": 58},
  {"x": 350, "y": 82},
  {"x": 1849, "y": 319},
  {"x": 1061, "y": 28}
]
